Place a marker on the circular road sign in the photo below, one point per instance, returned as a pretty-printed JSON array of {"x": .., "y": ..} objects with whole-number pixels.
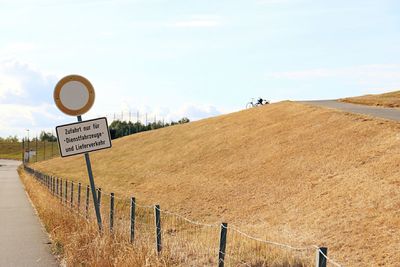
[{"x": 74, "y": 95}]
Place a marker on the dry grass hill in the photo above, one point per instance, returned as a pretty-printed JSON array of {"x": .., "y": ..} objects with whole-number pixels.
[
  {"x": 289, "y": 172},
  {"x": 10, "y": 150},
  {"x": 391, "y": 100}
]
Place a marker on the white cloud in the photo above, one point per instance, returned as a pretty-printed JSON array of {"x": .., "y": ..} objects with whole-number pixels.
[
  {"x": 146, "y": 113},
  {"x": 16, "y": 118},
  {"x": 9, "y": 86},
  {"x": 196, "y": 111},
  {"x": 22, "y": 83},
  {"x": 26, "y": 102},
  {"x": 26, "y": 99}
]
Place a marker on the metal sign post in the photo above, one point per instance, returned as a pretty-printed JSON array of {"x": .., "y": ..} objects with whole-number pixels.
[
  {"x": 74, "y": 95},
  {"x": 92, "y": 186}
]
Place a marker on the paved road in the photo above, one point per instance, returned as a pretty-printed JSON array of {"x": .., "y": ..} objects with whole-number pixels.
[
  {"x": 381, "y": 112},
  {"x": 22, "y": 239}
]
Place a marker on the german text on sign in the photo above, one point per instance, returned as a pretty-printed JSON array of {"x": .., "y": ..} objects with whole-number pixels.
[{"x": 83, "y": 137}]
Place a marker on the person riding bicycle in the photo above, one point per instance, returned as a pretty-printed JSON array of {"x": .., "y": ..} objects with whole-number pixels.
[{"x": 260, "y": 101}]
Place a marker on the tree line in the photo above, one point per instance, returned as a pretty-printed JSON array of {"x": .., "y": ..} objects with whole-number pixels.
[
  {"x": 117, "y": 129},
  {"x": 9, "y": 139},
  {"x": 122, "y": 128}
]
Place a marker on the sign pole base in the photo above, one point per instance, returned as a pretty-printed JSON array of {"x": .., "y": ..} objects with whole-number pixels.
[{"x": 93, "y": 187}]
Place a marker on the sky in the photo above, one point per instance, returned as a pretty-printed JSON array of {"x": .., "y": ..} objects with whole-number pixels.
[{"x": 190, "y": 58}]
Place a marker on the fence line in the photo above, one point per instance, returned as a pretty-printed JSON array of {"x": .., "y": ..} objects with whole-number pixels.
[
  {"x": 270, "y": 242},
  {"x": 326, "y": 257},
  {"x": 51, "y": 182}
]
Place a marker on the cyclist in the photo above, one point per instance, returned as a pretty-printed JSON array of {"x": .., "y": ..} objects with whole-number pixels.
[{"x": 260, "y": 101}]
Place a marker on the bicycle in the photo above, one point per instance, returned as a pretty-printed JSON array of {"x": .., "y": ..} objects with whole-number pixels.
[{"x": 259, "y": 102}]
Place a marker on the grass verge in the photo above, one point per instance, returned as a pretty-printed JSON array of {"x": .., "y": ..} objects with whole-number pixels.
[
  {"x": 45, "y": 150},
  {"x": 390, "y": 100},
  {"x": 78, "y": 241}
]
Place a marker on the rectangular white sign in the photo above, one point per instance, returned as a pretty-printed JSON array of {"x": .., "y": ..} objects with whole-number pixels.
[{"x": 83, "y": 137}]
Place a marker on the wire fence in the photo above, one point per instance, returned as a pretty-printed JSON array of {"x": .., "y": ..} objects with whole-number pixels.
[
  {"x": 36, "y": 150},
  {"x": 187, "y": 242},
  {"x": 145, "y": 118}
]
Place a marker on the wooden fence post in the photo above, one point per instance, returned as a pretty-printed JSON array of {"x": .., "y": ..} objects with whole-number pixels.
[
  {"x": 133, "y": 206},
  {"x": 111, "y": 212},
  {"x": 57, "y": 186},
  {"x": 321, "y": 259},
  {"x": 72, "y": 194},
  {"x": 158, "y": 227},
  {"x": 87, "y": 201},
  {"x": 222, "y": 245},
  {"x": 79, "y": 195}
]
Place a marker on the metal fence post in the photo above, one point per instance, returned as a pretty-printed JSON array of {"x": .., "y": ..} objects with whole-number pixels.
[
  {"x": 29, "y": 151},
  {"x": 61, "y": 190},
  {"x": 36, "y": 149},
  {"x": 133, "y": 206},
  {"x": 111, "y": 212},
  {"x": 23, "y": 150},
  {"x": 72, "y": 194},
  {"x": 66, "y": 192},
  {"x": 222, "y": 245},
  {"x": 322, "y": 252},
  {"x": 87, "y": 201},
  {"x": 158, "y": 227},
  {"x": 52, "y": 184},
  {"x": 79, "y": 195}
]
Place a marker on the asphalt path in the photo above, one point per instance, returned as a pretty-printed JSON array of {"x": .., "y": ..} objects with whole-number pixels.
[
  {"x": 23, "y": 241},
  {"x": 380, "y": 112}
]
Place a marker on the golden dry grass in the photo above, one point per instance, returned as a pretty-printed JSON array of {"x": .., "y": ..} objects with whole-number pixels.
[
  {"x": 288, "y": 172},
  {"x": 13, "y": 150},
  {"x": 10, "y": 150},
  {"x": 76, "y": 240},
  {"x": 391, "y": 100}
]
